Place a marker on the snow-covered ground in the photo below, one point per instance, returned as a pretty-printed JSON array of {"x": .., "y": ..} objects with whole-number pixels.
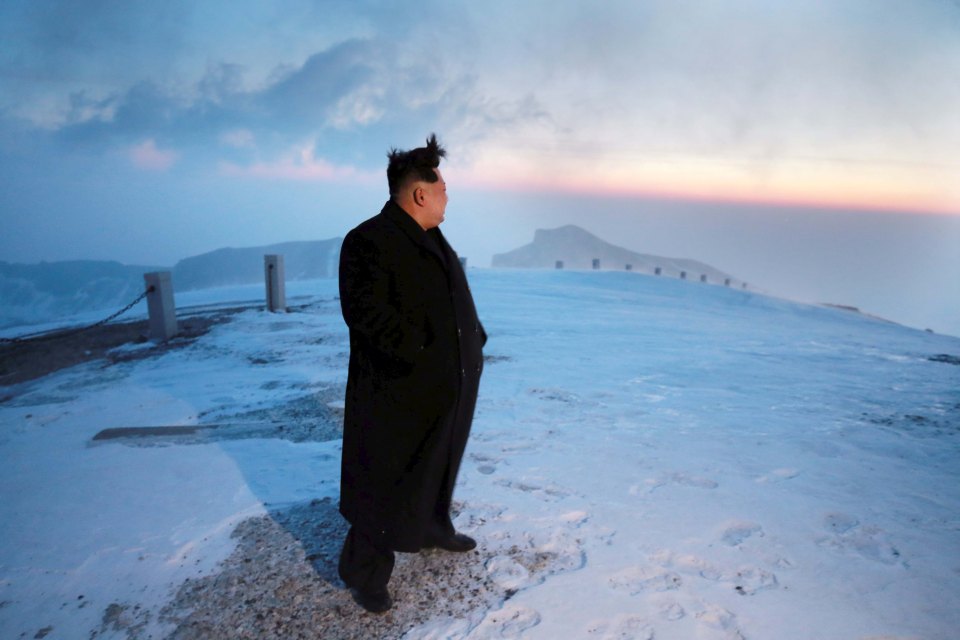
[{"x": 688, "y": 461}]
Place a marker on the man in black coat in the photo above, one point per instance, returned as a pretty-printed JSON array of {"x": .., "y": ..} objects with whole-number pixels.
[{"x": 415, "y": 364}]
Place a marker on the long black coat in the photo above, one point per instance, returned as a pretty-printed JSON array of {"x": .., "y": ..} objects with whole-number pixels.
[{"x": 415, "y": 364}]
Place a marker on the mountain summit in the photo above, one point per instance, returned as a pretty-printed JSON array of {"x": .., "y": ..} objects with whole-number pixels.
[{"x": 577, "y": 248}]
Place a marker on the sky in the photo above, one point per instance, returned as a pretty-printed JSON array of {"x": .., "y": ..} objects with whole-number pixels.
[{"x": 811, "y": 148}]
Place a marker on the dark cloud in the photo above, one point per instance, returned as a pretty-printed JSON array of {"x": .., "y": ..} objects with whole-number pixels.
[
  {"x": 96, "y": 40},
  {"x": 297, "y": 102},
  {"x": 309, "y": 93},
  {"x": 353, "y": 100}
]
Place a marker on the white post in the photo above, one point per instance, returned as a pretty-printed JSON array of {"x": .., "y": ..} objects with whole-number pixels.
[
  {"x": 163, "y": 314},
  {"x": 273, "y": 274}
]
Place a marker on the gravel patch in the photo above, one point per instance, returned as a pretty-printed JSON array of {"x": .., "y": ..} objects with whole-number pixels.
[{"x": 281, "y": 582}]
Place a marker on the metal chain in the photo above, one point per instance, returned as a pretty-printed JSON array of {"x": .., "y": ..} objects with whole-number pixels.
[{"x": 51, "y": 335}]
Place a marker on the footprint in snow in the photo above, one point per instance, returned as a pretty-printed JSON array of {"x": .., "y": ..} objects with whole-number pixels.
[
  {"x": 735, "y": 533},
  {"x": 526, "y": 562},
  {"x": 846, "y": 534},
  {"x": 636, "y": 580},
  {"x": 671, "y": 611},
  {"x": 548, "y": 492},
  {"x": 575, "y": 518},
  {"x": 557, "y": 395},
  {"x": 508, "y": 573},
  {"x": 746, "y": 580},
  {"x": 682, "y": 479},
  {"x": 839, "y": 523},
  {"x": 485, "y": 464},
  {"x": 508, "y": 622},
  {"x": 778, "y": 475},
  {"x": 721, "y": 622},
  {"x": 688, "y": 480},
  {"x": 625, "y": 627}
]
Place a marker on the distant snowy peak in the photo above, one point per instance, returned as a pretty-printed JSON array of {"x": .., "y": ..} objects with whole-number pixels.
[
  {"x": 577, "y": 248},
  {"x": 35, "y": 293},
  {"x": 302, "y": 260}
]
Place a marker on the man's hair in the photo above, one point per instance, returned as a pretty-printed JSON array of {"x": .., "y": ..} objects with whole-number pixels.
[{"x": 405, "y": 167}]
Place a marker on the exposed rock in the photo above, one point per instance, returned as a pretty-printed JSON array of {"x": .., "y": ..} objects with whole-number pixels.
[{"x": 577, "y": 248}]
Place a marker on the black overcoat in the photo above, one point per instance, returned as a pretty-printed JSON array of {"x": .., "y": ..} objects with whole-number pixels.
[{"x": 415, "y": 364}]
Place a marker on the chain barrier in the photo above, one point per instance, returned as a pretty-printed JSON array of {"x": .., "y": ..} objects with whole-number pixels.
[{"x": 53, "y": 335}]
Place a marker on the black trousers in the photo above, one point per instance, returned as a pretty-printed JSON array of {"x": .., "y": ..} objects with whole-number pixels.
[{"x": 365, "y": 563}]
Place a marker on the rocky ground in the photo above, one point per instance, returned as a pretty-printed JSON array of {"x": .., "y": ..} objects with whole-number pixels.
[
  {"x": 281, "y": 583},
  {"x": 24, "y": 360}
]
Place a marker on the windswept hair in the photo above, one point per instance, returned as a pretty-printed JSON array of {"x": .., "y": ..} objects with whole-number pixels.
[{"x": 416, "y": 164}]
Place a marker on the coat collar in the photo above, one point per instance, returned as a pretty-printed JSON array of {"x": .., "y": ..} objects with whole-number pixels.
[{"x": 414, "y": 231}]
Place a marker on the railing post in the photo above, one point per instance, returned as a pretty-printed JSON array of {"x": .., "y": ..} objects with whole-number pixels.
[
  {"x": 274, "y": 276},
  {"x": 160, "y": 306}
]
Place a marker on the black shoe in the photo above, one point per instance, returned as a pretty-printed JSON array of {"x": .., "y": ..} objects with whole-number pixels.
[
  {"x": 373, "y": 601},
  {"x": 456, "y": 542}
]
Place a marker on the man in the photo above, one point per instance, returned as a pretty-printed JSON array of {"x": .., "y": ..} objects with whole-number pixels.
[{"x": 415, "y": 364}]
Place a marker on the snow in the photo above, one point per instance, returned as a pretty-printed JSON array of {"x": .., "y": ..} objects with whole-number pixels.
[{"x": 693, "y": 461}]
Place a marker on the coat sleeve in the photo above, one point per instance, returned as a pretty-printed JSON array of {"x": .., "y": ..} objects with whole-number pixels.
[{"x": 369, "y": 303}]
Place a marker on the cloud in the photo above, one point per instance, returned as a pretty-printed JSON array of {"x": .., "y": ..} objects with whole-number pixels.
[
  {"x": 238, "y": 138},
  {"x": 301, "y": 167},
  {"x": 638, "y": 89},
  {"x": 147, "y": 156},
  {"x": 350, "y": 101}
]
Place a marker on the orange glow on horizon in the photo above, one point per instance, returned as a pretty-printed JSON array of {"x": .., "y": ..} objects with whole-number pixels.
[
  {"x": 851, "y": 201},
  {"x": 819, "y": 187}
]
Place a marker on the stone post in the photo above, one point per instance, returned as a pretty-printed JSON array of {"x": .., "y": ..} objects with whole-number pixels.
[
  {"x": 273, "y": 274},
  {"x": 160, "y": 306}
]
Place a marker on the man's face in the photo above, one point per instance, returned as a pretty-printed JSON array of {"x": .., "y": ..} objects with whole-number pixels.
[{"x": 435, "y": 201}]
